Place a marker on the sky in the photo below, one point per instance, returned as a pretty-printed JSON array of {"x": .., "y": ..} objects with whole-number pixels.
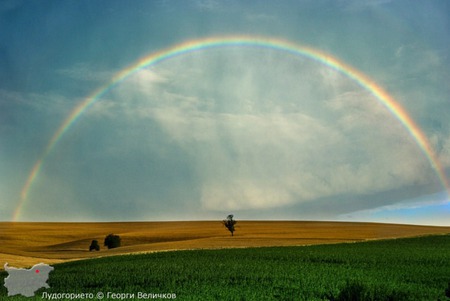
[{"x": 254, "y": 131}]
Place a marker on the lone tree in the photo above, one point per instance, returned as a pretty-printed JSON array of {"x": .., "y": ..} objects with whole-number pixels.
[
  {"x": 94, "y": 246},
  {"x": 112, "y": 241},
  {"x": 229, "y": 223}
]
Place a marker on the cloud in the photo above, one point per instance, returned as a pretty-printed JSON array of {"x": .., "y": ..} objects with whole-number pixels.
[
  {"x": 17, "y": 106},
  {"x": 261, "y": 140},
  {"x": 146, "y": 77},
  {"x": 441, "y": 145},
  {"x": 219, "y": 131},
  {"x": 248, "y": 161}
]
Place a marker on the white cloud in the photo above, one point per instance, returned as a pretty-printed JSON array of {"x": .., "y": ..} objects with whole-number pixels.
[
  {"x": 146, "y": 77},
  {"x": 42, "y": 104},
  {"x": 260, "y": 136},
  {"x": 441, "y": 143},
  {"x": 268, "y": 160}
]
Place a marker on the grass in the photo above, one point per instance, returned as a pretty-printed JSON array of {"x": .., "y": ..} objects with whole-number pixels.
[{"x": 400, "y": 269}]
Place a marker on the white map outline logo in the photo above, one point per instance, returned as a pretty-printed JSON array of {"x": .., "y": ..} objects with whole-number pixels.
[{"x": 27, "y": 281}]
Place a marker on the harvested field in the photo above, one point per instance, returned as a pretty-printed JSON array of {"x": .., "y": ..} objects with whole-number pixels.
[{"x": 25, "y": 244}]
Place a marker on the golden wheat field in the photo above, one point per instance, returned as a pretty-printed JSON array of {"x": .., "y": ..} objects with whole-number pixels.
[{"x": 25, "y": 244}]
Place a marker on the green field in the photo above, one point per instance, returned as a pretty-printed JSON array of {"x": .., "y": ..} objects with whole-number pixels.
[{"x": 400, "y": 269}]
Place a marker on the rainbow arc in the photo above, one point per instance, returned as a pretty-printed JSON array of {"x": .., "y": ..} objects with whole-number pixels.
[{"x": 239, "y": 41}]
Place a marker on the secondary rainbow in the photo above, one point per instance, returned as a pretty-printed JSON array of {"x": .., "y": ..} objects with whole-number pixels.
[{"x": 239, "y": 41}]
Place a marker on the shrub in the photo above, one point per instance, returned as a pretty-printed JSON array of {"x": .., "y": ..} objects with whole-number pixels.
[
  {"x": 112, "y": 241},
  {"x": 94, "y": 246}
]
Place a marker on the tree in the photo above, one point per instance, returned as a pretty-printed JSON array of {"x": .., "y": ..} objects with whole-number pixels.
[
  {"x": 94, "y": 246},
  {"x": 112, "y": 241},
  {"x": 229, "y": 223}
]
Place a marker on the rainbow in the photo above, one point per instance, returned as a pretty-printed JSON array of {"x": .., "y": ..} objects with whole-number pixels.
[{"x": 239, "y": 41}]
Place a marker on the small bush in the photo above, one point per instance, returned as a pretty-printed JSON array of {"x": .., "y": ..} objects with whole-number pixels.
[
  {"x": 112, "y": 241},
  {"x": 94, "y": 246}
]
